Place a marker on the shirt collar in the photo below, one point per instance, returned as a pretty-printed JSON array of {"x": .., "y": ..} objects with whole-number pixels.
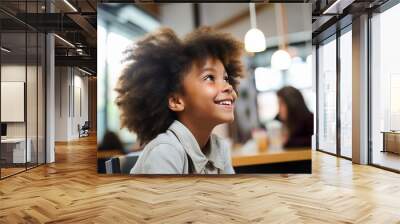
[{"x": 192, "y": 148}]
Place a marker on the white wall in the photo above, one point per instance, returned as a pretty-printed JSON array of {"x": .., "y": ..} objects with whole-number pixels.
[
  {"x": 33, "y": 127},
  {"x": 70, "y": 83},
  {"x": 178, "y": 16},
  {"x": 61, "y": 103},
  {"x": 12, "y": 73},
  {"x": 80, "y": 89}
]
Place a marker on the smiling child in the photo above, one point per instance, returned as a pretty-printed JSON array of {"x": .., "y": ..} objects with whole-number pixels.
[{"x": 172, "y": 94}]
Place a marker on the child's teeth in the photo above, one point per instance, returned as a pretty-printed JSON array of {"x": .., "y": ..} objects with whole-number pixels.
[{"x": 225, "y": 102}]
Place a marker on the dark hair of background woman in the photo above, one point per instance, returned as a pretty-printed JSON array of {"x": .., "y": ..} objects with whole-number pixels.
[
  {"x": 298, "y": 112},
  {"x": 111, "y": 141}
]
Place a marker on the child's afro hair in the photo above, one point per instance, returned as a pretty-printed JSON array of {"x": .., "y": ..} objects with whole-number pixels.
[{"x": 155, "y": 68}]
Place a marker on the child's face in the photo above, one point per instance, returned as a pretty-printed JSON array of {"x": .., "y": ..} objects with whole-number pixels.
[{"x": 208, "y": 97}]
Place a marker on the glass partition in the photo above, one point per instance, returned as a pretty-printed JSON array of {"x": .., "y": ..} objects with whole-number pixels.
[
  {"x": 22, "y": 90},
  {"x": 327, "y": 96},
  {"x": 346, "y": 94},
  {"x": 41, "y": 86},
  {"x": 13, "y": 110},
  {"x": 385, "y": 89},
  {"x": 31, "y": 97}
]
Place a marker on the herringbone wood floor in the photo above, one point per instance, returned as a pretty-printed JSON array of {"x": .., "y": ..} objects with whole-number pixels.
[{"x": 70, "y": 191}]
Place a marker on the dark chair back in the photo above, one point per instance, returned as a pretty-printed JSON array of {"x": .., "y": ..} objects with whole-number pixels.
[
  {"x": 121, "y": 164},
  {"x": 86, "y": 126}
]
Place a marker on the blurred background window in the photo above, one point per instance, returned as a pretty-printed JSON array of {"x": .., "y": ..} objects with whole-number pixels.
[
  {"x": 119, "y": 26},
  {"x": 385, "y": 88},
  {"x": 327, "y": 96}
]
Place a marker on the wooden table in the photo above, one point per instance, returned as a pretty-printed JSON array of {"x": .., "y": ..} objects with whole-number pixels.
[
  {"x": 106, "y": 154},
  {"x": 391, "y": 141},
  {"x": 14, "y": 151},
  {"x": 249, "y": 154}
]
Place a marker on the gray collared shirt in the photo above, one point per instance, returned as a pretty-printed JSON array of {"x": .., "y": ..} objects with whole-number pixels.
[{"x": 168, "y": 154}]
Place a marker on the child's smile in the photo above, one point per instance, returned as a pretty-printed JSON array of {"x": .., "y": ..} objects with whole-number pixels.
[{"x": 226, "y": 103}]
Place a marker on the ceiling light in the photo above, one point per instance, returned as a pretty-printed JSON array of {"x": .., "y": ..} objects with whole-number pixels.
[
  {"x": 309, "y": 59},
  {"x": 70, "y": 5},
  {"x": 281, "y": 60},
  {"x": 267, "y": 79},
  {"x": 65, "y": 41},
  {"x": 5, "y": 50},
  {"x": 337, "y": 7},
  {"x": 254, "y": 40},
  {"x": 86, "y": 72}
]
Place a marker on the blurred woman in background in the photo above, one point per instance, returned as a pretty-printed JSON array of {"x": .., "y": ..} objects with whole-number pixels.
[{"x": 296, "y": 118}]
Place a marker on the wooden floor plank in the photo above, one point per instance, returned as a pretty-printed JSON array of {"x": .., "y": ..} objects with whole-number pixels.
[{"x": 70, "y": 191}]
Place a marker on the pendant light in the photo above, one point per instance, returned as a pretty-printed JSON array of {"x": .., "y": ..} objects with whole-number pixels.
[
  {"x": 281, "y": 59},
  {"x": 254, "y": 40}
]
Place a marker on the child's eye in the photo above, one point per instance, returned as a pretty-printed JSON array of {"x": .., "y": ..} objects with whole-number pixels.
[
  {"x": 209, "y": 77},
  {"x": 226, "y": 78}
]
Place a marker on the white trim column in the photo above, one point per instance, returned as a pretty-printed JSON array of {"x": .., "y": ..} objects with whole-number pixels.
[
  {"x": 360, "y": 90},
  {"x": 50, "y": 98},
  {"x": 50, "y": 93}
]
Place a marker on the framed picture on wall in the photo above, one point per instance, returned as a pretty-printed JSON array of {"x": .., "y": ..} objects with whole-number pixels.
[{"x": 12, "y": 101}]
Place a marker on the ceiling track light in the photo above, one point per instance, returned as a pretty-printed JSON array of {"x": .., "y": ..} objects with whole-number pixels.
[
  {"x": 5, "y": 50},
  {"x": 70, "y": 5},
  {"x": 84, "y": 71},
  {"x": 336, "y": 8},
  {"x": 65, "y": 41}
]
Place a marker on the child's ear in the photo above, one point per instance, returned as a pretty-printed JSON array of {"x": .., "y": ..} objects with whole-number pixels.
[{"x": 175, "y": 103}]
